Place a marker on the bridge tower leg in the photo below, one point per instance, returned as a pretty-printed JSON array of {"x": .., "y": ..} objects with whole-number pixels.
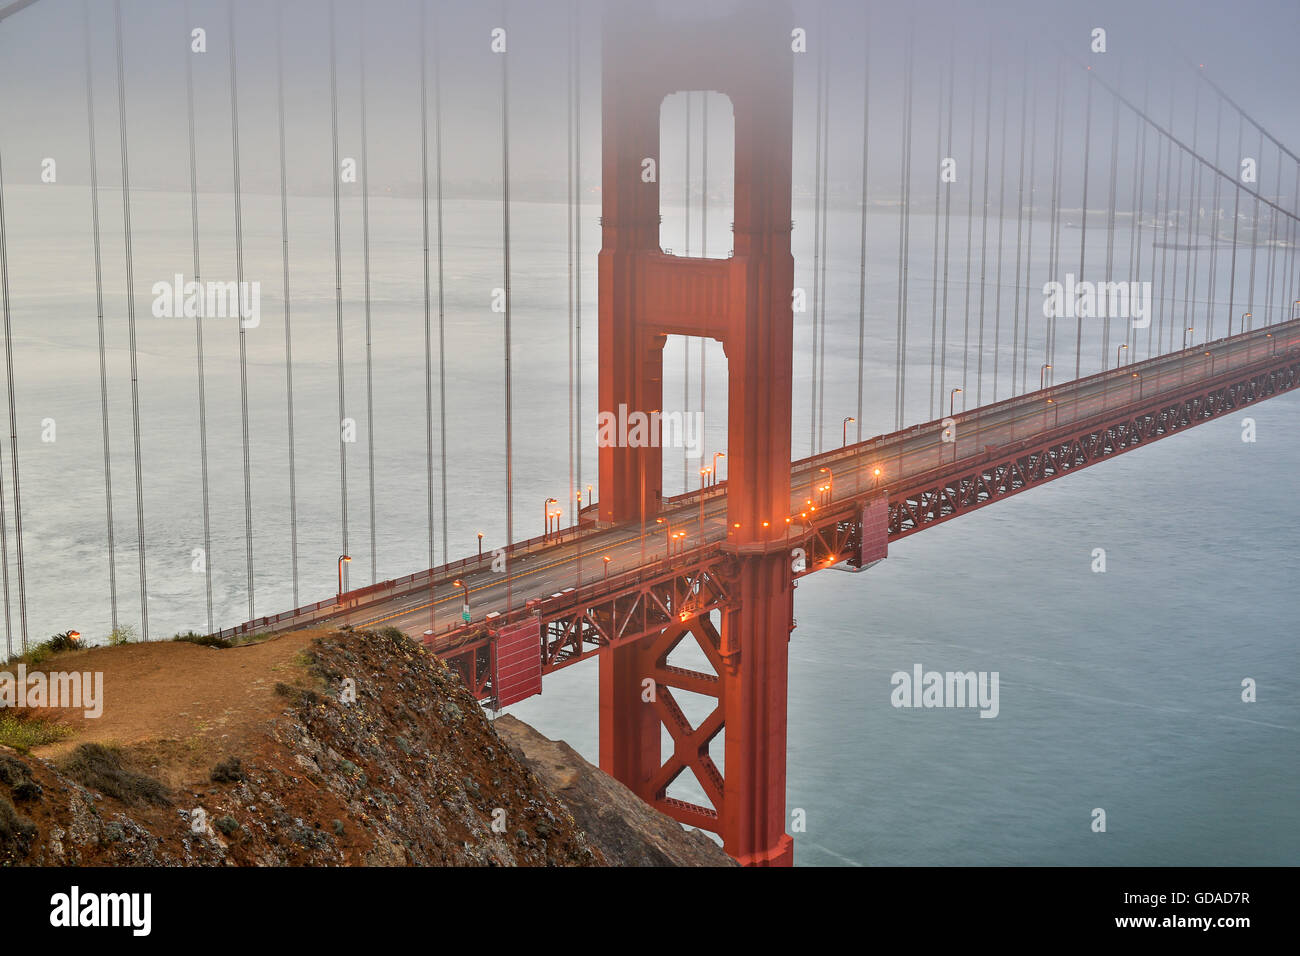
[{"x": 743, "y": 302}]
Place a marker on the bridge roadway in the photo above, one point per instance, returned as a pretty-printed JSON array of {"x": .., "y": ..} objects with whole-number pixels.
[{"x": 694, "y": 519}]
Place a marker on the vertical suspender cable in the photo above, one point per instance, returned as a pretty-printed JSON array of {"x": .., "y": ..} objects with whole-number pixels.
[
  {"x": 1135, "y": 218},
  {"x": 365, "y": 270},
  {"x": 1055, "y": 243},
  {"x": 1156, "y": 221},
  {"x": 575, "y": 496},
  {"x": 424, "y": 219},
  {"x": 442, "y": 311},
  {"x": 1140, "y": 209},
  {"x": 1236, "y": 209},
  {"x": 825, "y": 217},
  {"x": 947, "y": 224},
  {"x": 906, "y": 233},
  {"x": 686, "y": 341},
  {"x": 1175, "y": 217},
  {"x": 1254, "y": 242},
  {"x": 1191, "y": 273},
  {"x": 130, "y": 321},
  {"x": 817, "y": 238},
  {"x": 1214, "y": 220},
  {"x": 239, "y": 276},
  {"x": 1002, "y": 210},
  {"x": 984, "y": 232},
  {"x": 577, "y": 231},
  {"x": 1164, "y": 224},
  {"x": 970, "y": 220},
  {"x": 288, "y": 328},
  {"x": 13, "y": 439},
  {"x": 338, "y": 285},
  {"x": 1272, "y": 246},
  {"x": 1083, "y": 223},
  {"x": 704, "y": 220},
  {"x": 1020, "y": 221},
  {"x": 1110, "y": 224},
  {"x": 4, "y": 521},
  {"x": 1029, "y": 232},
  {"x": 99, "y": 313},
  {"x": 505, "y": 268},
  {"x": 1294, "y": 258},
  {"x": 198, "y": 333},
  {"x": 934, "y": 265},
  {"x": 862, "y": 260}
]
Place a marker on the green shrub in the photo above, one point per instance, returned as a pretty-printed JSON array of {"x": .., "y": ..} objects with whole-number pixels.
[
  {"x": 23, "y": 731},
  {"x": 122, "y": 634},
  {"x": 61, "y": 642},
  {"x": 97, "y": 767},
  {"x": 16, "y": 832},
  {"x": 205, "y": 640},
  {"x": 227, "y": 771}
]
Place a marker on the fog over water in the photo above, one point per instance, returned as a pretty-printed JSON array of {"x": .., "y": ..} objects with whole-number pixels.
[{"x": 1119, "y": 691}]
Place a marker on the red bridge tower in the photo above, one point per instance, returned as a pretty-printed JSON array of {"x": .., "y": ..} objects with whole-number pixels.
[{"x": 745, "y": 303}]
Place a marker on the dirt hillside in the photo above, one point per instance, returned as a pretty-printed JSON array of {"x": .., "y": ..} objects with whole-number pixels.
[
  {"x": 628, "y": 831},
  {"x": 257, "y": 755}
]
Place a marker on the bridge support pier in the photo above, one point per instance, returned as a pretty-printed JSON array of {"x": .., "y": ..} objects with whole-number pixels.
[
  {"x": 755, "y": 652},
  {"x": 749, "y": 656}
]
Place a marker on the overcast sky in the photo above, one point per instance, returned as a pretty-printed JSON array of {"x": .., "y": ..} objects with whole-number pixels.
[{"x": 1246, "y": 46}]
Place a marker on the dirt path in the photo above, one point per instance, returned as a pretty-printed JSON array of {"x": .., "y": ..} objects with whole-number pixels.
[{"x": 172, "y": 691}]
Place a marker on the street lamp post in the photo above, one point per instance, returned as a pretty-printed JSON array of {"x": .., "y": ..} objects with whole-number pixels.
[
  {"x": 1185, "y": 332},
  {"x": 704, "y": 483},
  {"x": 875, "y": 476},
  {"x": 342, "y": 558},
  {"x": 845, "y": 430},
  {"x": 1042, "y": 376},
  {"x": 1244, "y": 317},
  {"x": 480, "y": 545},
  {"x": 716, "y": 456},
  {"x": 547, "y": 509},
  {"x": 830, "y": 484},
  {"x": 605, "y": 559},
  {"x": 464, "y": 609},
  {"x": 1122, "y": 348}
]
